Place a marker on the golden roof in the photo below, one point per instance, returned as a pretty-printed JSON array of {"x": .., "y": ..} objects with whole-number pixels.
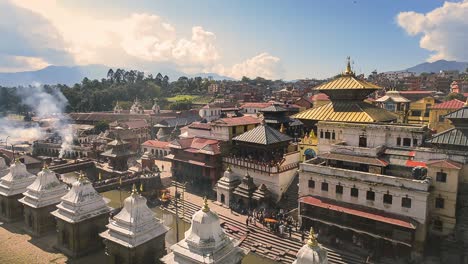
[
  {"x": 347, "y": 111},
  {"x": 347, "y": 82}
]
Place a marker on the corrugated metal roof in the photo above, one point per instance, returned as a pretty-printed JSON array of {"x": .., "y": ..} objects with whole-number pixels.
[
  {"x": 273, "y": 108},
  {"x": 347, "y": 82},
  {"x": 454, "y": 136},
  {"x": 263, "y": 135},
  {"x": 355, "y": 159},
  {"x": 452, "y": 104},
  {"x": 347, "y": 111},
  {"x": 459, "y": 114}
]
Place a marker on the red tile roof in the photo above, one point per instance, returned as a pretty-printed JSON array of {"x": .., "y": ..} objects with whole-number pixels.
[
  {"x": 320, "y": 97},
  {"x": 452, "y": 104},
  {"x": 156, "y": 144},
  {"x": 448, "y": 164},
  {"x": 236, "y": 121},
  {"x": 197, "y": 145},
  {"x": 413, "y": 163},
  {"x": 198, "y": 125},
  {"x": 256, "y": 105},
  {"x": 376, "y": 216},
  {"x": 416, "y": 92}
]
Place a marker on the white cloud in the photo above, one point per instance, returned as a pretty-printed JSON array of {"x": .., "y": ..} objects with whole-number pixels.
[
  {"x": 21, "y": 63},
  {"x": 444, "y": 30},
  {"x": 138, "y": 40}
]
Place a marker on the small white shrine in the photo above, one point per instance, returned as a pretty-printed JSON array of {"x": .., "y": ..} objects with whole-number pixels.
[{"x": 311, "y": 252}]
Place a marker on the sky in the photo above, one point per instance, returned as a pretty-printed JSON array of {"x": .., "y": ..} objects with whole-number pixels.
[{"x": 273, "y": 39}]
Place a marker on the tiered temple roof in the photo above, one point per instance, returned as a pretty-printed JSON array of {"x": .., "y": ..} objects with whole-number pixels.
[
  {"x": 135, "y": 224},
  {"x": 82, "y": 202},
  {"x": 246, "y": 188},
  {"x": 16, "y": 181},
  {"x": 347, "y": 94},
  {"x": 205, "y": 242},
  {"x": 229, "y": 181},
  {"x": 118, "y": 148},
  {"x": 44, "y": 191},
  {"x": 263, "y": 135},
  {"x": 261, "y": 193}
]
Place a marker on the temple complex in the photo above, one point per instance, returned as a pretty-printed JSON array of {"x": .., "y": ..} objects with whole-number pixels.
[
  {"x": 40, "y": 200},
  {"x": 311, "y": 252},
  {"x": 81, "y": 215},
  {"x": 134, "y": 235},
  {"x": 205, "y": 242},
  {"x": 278, "y": 118},
  {"x": 12, "y": 186}
]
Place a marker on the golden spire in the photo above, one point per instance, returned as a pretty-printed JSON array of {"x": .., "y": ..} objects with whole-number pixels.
[
  {"x": 134, "y": 190},
  {"x": 141, "y": 187},
  {"x": 282, "y": 129},
  {"x": 17, "y": 160},
  {"x": 46, "y": 167},
  {"x": 229, "y": 168},
  {"x": 312, "y": 241},
  {"x": 81, "y": 177},
  {"x": 348, "y": 67},
  {"x": 205, "y": 207}
]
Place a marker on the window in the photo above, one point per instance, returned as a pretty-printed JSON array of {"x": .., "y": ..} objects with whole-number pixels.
[
  {"x": 426, "y": 113},
  {"x": 407, "y": 142},
  {"x": 354, "y": 192},
  {"x": 415, "y": 141},
  {"x": 324, "y": 186},
  {"x": 406, "y": 202},
  {"x": 438, "y": 225},
  {"x": 245, "y": 128},
  {"x": 398, "y": 141},
  {"x": 339, "y": 189},
  {"x": 321, "y": 133},
  {"x": 333, "y": 134},
  {"x": 362, "y": 141},
  {"x": 416, "y": 113},
  {"x": 327, "y": 135},
  {"x": 441, "y": 118},
  {"x": 370, "y": 196},
  {"x": 439, "y": 202},
  {"x": 387, "y": 198},
  {"x": 441, "y": 176},
  {"x": 311, "y": 184},
  {"x": 145, "y": 149},
  {"x": 234, "y": 130}
]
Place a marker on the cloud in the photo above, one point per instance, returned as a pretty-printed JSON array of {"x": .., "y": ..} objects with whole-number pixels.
[
  {"x": 134, "y": 41},
  {"x": 444, "y": 30},
  {"x": 10, "y": 63},
  {"x": 262, "y": 65}
]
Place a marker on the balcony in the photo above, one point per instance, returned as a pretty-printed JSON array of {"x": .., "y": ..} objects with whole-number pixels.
[
  {"x": 290, "y": 161},
  {"x": 342, "y": 148}
]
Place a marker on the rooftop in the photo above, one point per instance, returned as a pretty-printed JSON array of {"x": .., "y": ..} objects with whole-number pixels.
[
  {"x": 264, "y": 135},
  {"x": 452, "y": 104},
  {"x": 236, "y": 121},
  {"x": 156, "y": 144}
]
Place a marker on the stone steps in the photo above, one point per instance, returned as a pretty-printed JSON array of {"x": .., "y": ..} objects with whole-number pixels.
[
  {"x": 286, "y": 248},
  {"x": 291, "y": 196}
]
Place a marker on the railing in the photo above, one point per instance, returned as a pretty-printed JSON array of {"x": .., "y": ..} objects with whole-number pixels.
[
  {"x": 355, "y": 150},
  {"x": 263, "y": 167}
]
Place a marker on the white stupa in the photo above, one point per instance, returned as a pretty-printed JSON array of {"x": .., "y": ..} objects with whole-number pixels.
[
  {"x": 226, "y": 185},
  {"x": 16, "y": 181},
  {"x": 312, "y": 252},
  {"x": 82, "y": 202},
  {"x": 3, "y": 167},
  {"x": 135, "y": 224},
  {"x": 44, "y": 191},
  {"x": 205, "y": 242}
]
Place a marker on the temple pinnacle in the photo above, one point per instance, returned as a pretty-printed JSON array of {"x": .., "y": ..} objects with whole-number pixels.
[
  {"x": 312, "y": 241},
  {"x": 205, "y": 208}
]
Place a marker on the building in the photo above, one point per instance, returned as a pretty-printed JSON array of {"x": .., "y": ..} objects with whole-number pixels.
[
  {"x": 254, "y": 107},
  {"x": 40, "y": 200},
  {"x": 210, "y": 112},
  {"x": 134, "y": 235},
  {"x": 347, "y": 94},
  {"x": 277, "y": 117},
  {"x": 137, "y": 107},
  {"x": 420, "y": 110},
  {"x": 196, "y": 161},
  {"x": 227, "y": 128},
  {"x": 304, "y": 102},
  {"x": 12, "y": 187},
  {"x": 205, "y": 242},
  {"x": 437, "y": 113},
  {"x": 81, "y": 215},
  {"x": 267, "y": 156},
  {"x": 320, "y": 99},
  {"x": 394, "y": 102},
  {"x": 308, "y": 146},
  {"x": 225, "y": 187},
  {"x": 118, "y": 154},
  {"x": 159, "y": 149},
  {"x": 311, "y": 252},
  {"x": 134, "y": 132}
]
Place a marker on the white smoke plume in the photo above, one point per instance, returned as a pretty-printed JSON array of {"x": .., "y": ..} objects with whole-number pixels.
[{"x": 47, "y": 105}]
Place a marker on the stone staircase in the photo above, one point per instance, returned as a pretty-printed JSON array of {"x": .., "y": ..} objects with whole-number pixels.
[
  {"x": 290, "y": 197},
  {"x": 267, "y": 244}
]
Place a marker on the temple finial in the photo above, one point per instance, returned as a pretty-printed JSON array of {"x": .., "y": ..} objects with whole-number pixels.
[
  {"x": 134, "y": 189},
  {"x": 46, "y": 166},
  {"x": 348, "y": 67},
  {"x": 141, "y": 187},
  {"x": 81, "y": 177},
  {"x": 205, "y": 208},
  {"x": 282, "y": 129},
  {"x": 229, "y": 168},
  {"x": 17, "y": 160},
  {"x": 312, "y": 241}
]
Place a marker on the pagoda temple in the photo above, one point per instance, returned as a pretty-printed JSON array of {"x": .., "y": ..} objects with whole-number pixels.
[
  {"x": 118, "y": 154},
  {"x": 40, "y": 200},
  {"x": 12, "y": 186},
  {"x": 225, "y": 186},
  {"x": 134, "y": 235},
  {"x": 243, "y": 192},
  {"x": 347, "y": 94},
  {"x": 81, "y": 215},
  {"x": 311, "y": 252},
  {"x": 205, "y": 242}
]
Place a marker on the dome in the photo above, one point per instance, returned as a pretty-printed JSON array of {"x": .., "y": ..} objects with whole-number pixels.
[
  {"x": 205, "y": 231},
  {"x": 312, "y": 252},
  {"x": 16, "y": 181}
]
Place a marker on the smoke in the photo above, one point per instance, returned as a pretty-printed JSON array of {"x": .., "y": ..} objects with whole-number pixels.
[{"x": 49, "y": 106}]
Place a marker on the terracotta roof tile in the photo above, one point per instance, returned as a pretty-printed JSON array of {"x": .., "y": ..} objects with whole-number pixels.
[
  {"x": 452, "y": 104},
  {"x": 156, "y": 144}
]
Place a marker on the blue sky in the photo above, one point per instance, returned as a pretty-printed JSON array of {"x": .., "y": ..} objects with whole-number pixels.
[{"x": 279, "y": 39}]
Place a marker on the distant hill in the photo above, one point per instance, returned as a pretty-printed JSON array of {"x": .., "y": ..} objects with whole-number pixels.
[
  {"x": 70, "y": 75},
  {"x": 437, "y": 66},
  {"x": 54, "y": 75}
]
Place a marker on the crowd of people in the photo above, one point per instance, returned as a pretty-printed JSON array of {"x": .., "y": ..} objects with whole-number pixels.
[{"x": 276, "y": 221}]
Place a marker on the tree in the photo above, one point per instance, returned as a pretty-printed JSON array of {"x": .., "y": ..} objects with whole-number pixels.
[
  {"x": 452, "y": 96},
  {"x": 110, "y": 75},
  {"x": 101, "y": 126}
]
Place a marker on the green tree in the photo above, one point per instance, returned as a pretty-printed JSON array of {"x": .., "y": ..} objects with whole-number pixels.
[
  {"x": 452, "y": 96},
  {"x": 101, "y": 126}
]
